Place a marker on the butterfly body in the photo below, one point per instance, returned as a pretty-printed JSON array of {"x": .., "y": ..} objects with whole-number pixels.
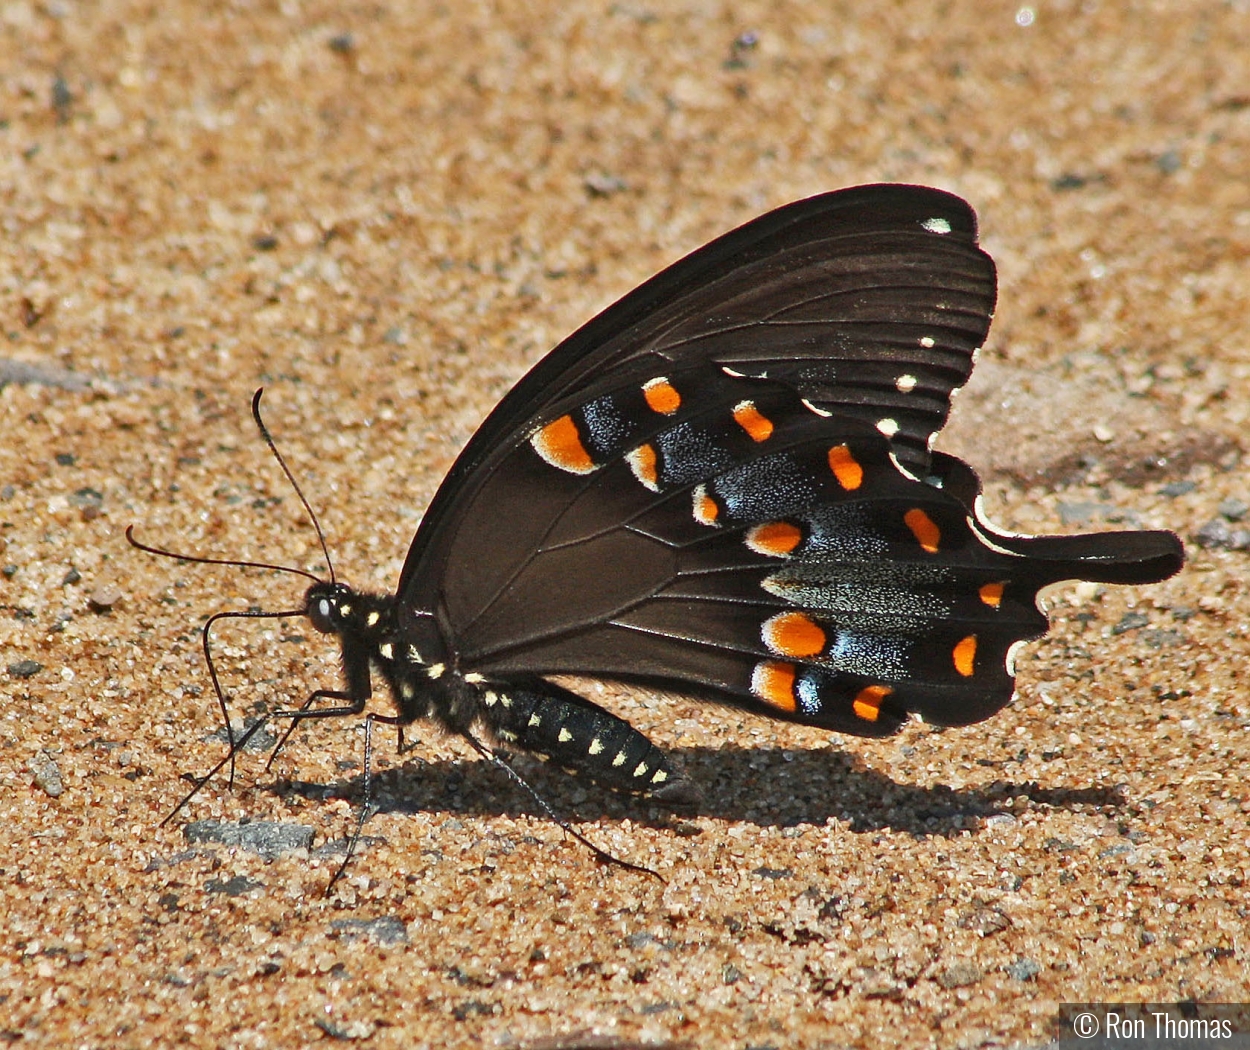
[{"x": 525, "y": 712}]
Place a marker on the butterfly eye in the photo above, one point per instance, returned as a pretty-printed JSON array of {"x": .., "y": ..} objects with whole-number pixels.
[{"x": 320, "y": 613}]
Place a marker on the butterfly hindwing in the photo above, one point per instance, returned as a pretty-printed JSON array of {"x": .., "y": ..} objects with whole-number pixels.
[{"x": 759, "y": 538}]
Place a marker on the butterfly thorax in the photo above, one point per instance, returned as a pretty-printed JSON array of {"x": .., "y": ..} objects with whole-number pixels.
[{"x": 367, "y": 625}]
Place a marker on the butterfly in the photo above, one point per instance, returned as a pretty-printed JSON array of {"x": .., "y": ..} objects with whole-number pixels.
[{"x": 724, "y": 484}]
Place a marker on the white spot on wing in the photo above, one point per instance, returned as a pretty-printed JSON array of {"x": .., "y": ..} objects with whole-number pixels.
[
  {"x": 819, "y": 411},
  {"x": 927, "y": 342},
  {"x": 387, "y": 650},
  {"x": 937, "y": 225},
  {"x": 905, "y": 384},
  {"x": 1012, "y": 650},
  {"x": 902, "y": 469},
  {"x": 887, "y": 426}
]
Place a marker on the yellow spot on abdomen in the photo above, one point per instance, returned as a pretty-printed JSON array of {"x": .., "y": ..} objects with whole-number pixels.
[
  {"x": 642, "y": 461},
  {"x": 661, "y": 396},
  {"x": 991, "y": 594},
  {"x": 845, "y": 467},
  {"x": 965, "y": 654},
  {"x": 923, "y": 527},
  {"x": 560, "y": 444},
  {"x": 757, "y": 425},
  {"x": 867, "y": 702},
  {"x": 793, "y": 634},
  {"x": 777, "y": 538},
  {"x": 773, "y": 682}
]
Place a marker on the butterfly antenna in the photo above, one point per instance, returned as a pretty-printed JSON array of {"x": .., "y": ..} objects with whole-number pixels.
[
  {"x": 201, "y": 560},
  {"x": 264, "y": 432}
]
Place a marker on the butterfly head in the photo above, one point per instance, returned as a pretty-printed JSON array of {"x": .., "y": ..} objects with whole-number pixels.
[{"x": 328, "y": 606}]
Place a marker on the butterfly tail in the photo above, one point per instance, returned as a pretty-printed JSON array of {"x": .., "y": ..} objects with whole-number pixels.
[{"x": 1105, "y": 557}]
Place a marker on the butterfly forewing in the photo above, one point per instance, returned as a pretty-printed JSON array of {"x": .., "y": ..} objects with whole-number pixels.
[{"x": 853, "y": 298}]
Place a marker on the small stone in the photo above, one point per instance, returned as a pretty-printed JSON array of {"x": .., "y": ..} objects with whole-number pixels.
[
  {"x": 1079, "y": 513},
  {"x": 1024, "y": 969},
  {"x": 47, "y": 774},
  {"x": 984, "y": 921},
  {"x": 1216, "y": 533},
  {"x": 24, "y": 668},
  {"x": 87, "y": 499},
  {"x": 104, "y": 597},
  {"x": 1234, "y": 509},
  {"x": 1177, "y": 488},
  {"x": 1130, "y": 621},
  {"x": 234, "y": 887},
  {"x": 1169, "y": 162},
  {"x": 347, "y": 1031},
  {"x": 342, "y": 43},
  {"x": 386, "y": 930},
  {"x": 959, "y": 975},
  {"x": 604, "y": 185},
  {"x": 266, "y": 837}
]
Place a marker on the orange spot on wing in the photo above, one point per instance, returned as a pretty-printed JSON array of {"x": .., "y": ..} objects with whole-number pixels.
[
  {"x": 845, "y": 467},
  {"x": 706, "y": 510},
  {"x": 867, "y": 702},
  {"x": 642, "y": 461},
  {"x": 753, "y": 421},
  {"x": 964, "y": 655},
  {"x": 991, "y": 594},
  {"x": 560, "y": 444},
  {"x": 923, "y": 527},
  {"x": 661, "y": 396},
  {"x": 793, "y": 634},
  {"x": 777, "y": 538},
  {"x": 773, "y": 682}
]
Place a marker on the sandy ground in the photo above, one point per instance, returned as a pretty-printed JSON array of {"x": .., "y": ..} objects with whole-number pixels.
[{"x": 386, "y": 212}]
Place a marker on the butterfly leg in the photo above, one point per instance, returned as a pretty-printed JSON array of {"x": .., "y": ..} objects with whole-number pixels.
[{"x": 581, "y": 737}]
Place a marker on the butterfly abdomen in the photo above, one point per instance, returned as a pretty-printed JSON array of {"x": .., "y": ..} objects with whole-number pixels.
[{"x": 556, "y": 725}]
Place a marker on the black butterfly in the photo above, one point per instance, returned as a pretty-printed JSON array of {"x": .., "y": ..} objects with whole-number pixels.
[{"x": 723, "y": 484}]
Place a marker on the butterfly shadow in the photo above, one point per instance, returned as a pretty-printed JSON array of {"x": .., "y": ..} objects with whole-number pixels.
[{"x": 761, "y": 786}]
